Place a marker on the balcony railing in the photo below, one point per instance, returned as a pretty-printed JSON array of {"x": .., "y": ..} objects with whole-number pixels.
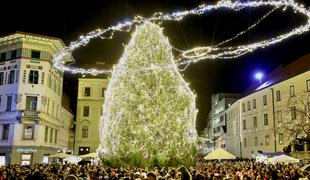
[{"x": 30, "y": 113}]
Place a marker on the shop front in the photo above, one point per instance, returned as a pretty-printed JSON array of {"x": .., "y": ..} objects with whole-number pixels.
[
  {"x": 5, "y": 155},
  {"x": 26, "y": 155}
]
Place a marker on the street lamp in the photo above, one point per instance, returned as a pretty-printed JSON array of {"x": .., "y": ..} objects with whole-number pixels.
[{"x": 259, "y": 76}]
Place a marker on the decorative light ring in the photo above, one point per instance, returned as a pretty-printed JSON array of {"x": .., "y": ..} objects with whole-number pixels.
[{"x": 195, "y": 54}]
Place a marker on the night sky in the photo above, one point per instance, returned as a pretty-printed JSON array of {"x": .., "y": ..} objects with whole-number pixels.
[{"x": 68, "y": 20}]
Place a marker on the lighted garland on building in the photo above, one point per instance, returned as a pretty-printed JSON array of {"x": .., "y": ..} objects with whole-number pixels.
[
  {"x": 148, "y": 116},
  {"x": 195, "y": 54}
]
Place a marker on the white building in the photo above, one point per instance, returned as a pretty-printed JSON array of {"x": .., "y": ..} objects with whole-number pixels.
[
  {"x": 88, "y": 113},
  {"x": 233, "y": 143},
  {"x": 217, "y": 120},
  {"x": 255, "y": 119},
  {"x": 33, "y": 123}
]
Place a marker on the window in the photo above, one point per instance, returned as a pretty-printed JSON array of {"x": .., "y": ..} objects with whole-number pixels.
[
  {"x": 255, "y": 121},
  {"x": 265, "y": 100},
  {"x": 278, "y": 95},
  {"x": 245, "y": 143},
  {"x": 49, "y": 82},
  {"x": 5, "y": 132},
  {"x": 102, "y": 92},
  {"x": 85, "y": 132},
  {"x": 293, "y": 113},
  {"x": 279, "y": 116},
  {"x": 87, "y": 91},
  {"x": 13, "y": 54},
  {"x": 28, "y": 132},
  {"x": 51, "y": 134},
  {"x": 249, "y": 105},
  {"x": 31, "y": 103},
  {"x": 56, "y": 112},
  {"x": 48, "y": 106},
  {"x": 9, "y": 103},
  {"x": 244, "y": 124},
  {"x": 53, "y": 105},
  {"x": 26, "y": 159},
  {"x": 308, "y": 85},
  {"x": 55, "y": 139},
  {"x": 265, "y": 119},
  {"x": 255, "y": 141},
  {"x": 86, "y": 111},
  {"x": 292, "y": 91},
  {"x": 280, "y": 138},
  {"x": 222, "y": 119},
  {"x": 45, "y": 158},
  {"x": 46, "y": 134},
  {"x": 35, "y": 54},
  {"x": 11, "y": 77},
  {"x": 267, "y": 140},
  {"x": 2, "y": 57},
  {"x": 42, "y": 79},
  {"x": 243, "y": 107},
  {"x": 1, "y": 78},
  {"x": 33, "y": 77},
  {"x": 84, "y": 150}
]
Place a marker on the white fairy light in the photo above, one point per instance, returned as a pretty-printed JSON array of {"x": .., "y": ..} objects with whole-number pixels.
[
  {"x": 148, "y": 115},
  {"x": 195, "y": 54}
]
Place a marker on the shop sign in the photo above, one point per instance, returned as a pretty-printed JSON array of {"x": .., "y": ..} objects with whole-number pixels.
[{"x": 24, "y": 150}]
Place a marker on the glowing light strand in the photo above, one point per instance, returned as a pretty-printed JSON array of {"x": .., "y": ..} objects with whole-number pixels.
[{"x": 195, "y": 54}]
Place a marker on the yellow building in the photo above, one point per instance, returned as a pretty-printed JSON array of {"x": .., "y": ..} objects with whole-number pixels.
[
  {"x": 255, "y": 120},
  {"x": 89, "y": 109}
]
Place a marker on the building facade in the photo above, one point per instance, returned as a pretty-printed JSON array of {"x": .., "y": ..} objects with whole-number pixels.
[
  {"x": 217, "y": 119},
  {"x": 89, "y": 110},
  {"x": 233, "y": 142},
  {"x": 256, "y": 119},
  {"x": 32, "y": 120}
]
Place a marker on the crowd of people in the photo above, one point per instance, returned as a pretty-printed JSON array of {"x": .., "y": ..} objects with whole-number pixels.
[{"x": 235, "y": 170}]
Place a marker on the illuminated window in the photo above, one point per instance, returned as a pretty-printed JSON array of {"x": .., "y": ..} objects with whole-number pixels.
[
  {"x": 28, "y": 132},
  {"x": 292, "y": 91},
  {"x": 280, "y": 138},
  {"x": 31, "y": 103},
  {"x": 267, "y": 140}
]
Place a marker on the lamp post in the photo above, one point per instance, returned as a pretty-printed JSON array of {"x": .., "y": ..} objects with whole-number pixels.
[{"x": 259, "y": 76}]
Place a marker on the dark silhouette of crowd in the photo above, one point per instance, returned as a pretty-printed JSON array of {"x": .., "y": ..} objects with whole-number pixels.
[{"x": 215, "y": 170}]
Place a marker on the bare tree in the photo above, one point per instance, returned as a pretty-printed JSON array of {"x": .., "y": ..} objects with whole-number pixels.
[{"x": 296, "y": 121}]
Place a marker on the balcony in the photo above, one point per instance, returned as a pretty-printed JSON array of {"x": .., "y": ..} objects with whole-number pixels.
[{"x": 31, "y": 114}]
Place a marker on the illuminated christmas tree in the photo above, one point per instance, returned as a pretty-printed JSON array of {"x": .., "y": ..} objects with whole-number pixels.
[{"x": 149, "y": 113}]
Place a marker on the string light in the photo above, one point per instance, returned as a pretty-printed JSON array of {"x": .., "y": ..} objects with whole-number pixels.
[
  {"x": 149, "y": 115},
  {"x": 195, "y": 54}
]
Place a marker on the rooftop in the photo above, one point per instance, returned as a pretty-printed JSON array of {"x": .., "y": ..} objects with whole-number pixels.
[{"x": 281, "y": 73}]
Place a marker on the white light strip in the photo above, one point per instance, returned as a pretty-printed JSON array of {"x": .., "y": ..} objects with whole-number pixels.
[{"x": 196, "y": 54}]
